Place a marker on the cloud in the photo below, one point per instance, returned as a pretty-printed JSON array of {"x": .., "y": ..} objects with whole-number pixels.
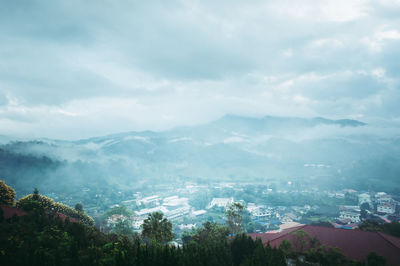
[{"x": 100, "y": 67}]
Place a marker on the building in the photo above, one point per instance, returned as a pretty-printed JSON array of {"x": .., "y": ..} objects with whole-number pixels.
[
  {"x": 382, "y": 197},
  {"x": 354, "y": 244},
  {"x": 148, "y": 200},
  {"x": 175, "y": 201},
  {"x": 351, "y": 213},
  {"x": 220, "y": 202},
  {"x": 386, "y": 208},
  {"x": 199, "y": 212},
  {"x": 179, "y": 212},
  {"x": 145, "y": 212}
]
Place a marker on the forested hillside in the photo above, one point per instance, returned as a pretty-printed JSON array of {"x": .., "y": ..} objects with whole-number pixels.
[{"x": 327, "y": 154}]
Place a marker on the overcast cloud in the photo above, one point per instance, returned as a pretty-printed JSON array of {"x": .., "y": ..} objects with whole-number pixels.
[{"x": 74, "y": 69}]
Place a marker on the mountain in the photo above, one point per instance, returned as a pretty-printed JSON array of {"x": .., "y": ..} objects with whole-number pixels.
[{"x": 317, "y": 151}]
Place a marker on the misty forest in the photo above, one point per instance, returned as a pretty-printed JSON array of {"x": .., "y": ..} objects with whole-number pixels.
[{"x": 199, "y": 133}]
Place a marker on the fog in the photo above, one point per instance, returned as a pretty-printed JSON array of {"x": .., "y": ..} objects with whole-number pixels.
[
  {"x": 77, "y": 70},
  {"x": 319, "y": 153},
  {"x": 266, "y": 102}
]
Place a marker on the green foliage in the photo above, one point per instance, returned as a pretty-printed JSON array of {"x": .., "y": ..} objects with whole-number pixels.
[
  {"x": 41, "y": 239},
  {"x": 392, "y": 228},
  {"x": 7, "y": 194},
  {"x": 286, "y": 247},
  {"x": 326, "y": 256},
  {"x": 27, "y": 202},
  {"x": 302, "y": 241},
  {"x": 234, "y": 215},
  {"x": 35, "y": 194},
  {"x": 365, "y": 206},
  {"x": 79, "y": 207},
  {"x": 245, "y": 251},
  {"x": 373, "y": 259},
  {"x": 208, "y": 233},
  {"x": 122, "y": 227},
  {"x": 157, "y": 228}
]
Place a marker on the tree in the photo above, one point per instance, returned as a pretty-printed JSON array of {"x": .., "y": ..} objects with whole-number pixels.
[
  {"x": 286, "y": 247},
  {"x": 375, "y": 259},
  {"x": 208, "y": 233},
  {"x": 234, "y": 215},
  {"x": 302, "y": 241},
  {"x": 79, "y": 207},
  {"x": 365, "y": 206},
  {"x": 35, "y": 194},
  {"x": 122, "y": 227},
  {"x": 7, "y": 194},
  {"x": 157, "y": 228}
]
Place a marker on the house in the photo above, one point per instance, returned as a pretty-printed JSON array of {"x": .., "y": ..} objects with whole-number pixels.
[
  {"x": 382, "y": 197},
  {"x": 386, "y": 208},
  {"x": 350, "y": 212},
  {"x": 354, "y": 244},
  {"x": 262, "y": 214},
  {"x": 354, "y": 217}
]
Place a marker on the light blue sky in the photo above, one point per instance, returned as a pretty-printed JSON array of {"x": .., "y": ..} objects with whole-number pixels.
[{"x": 74, "y": 69}]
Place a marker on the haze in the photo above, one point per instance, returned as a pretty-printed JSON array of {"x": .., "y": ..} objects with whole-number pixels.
[{"x": 76, "y": 69}]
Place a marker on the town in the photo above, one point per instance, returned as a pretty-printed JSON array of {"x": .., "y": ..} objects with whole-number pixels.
[{"x": 268, "y": 208}]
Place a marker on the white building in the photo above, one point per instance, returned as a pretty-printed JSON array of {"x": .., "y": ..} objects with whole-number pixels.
[
  {"x": 147, "y": 200},
  {"x": 178, "y": 212},
  {"x": 382, "y": 198},
  {"x": 145, "y": 212},
  {"x": 220, "y": 202},
  {"x": 350, "y": 212},
  {"x": 175, "y": 201},
  {"x": 354, "y": 217},
  {"x": 199, "y": 212},
  {"x": 187, "y": 226},
  {"x": 386, "y": 208}
]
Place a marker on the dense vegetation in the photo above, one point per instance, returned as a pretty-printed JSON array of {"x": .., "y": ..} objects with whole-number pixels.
[
  {"x": 43, "y": 239},
  {"x": 49, "y": 204},
  {"x": 392, "y": 228},
  {"x": 7, "y": 194}
]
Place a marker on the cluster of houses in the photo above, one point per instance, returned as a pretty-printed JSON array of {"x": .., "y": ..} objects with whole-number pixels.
[
  {"x": 172, "y": 207},
  {"x": 373, "y": 206},
  {"x": 177, "y": 208}
]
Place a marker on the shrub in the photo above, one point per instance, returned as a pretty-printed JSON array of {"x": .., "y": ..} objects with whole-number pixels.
[{"x": 7, "y": 194}]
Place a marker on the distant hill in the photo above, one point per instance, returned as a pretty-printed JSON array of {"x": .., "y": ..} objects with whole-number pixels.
[{"x": 315, "y": 151}]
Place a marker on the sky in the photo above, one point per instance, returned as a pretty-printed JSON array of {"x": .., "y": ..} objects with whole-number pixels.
[{"x": 76, "y": 69}]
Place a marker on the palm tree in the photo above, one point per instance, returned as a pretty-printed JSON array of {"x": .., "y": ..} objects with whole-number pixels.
[{"x": 156, "y": 228}]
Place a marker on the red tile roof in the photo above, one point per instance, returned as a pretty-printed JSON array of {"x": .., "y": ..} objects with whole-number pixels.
[
  {"x": 9, "y": 212},
  {"x": 354, "y": 244}
]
